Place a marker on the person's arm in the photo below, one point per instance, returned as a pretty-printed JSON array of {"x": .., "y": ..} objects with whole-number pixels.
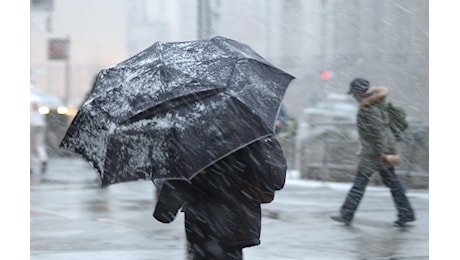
[
  {"x": 275, "y": 163},
  {"x": 267, "y": 164},
  {"x": 169, "y": 201}
]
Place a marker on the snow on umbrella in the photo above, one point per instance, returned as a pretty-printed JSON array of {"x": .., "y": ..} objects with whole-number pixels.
[{"x": 175, "y": 108}]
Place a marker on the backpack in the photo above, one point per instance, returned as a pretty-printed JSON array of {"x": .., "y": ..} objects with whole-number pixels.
[{"x": 398, "y": 122}]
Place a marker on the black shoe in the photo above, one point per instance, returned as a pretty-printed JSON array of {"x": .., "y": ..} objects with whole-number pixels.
[
  {"x": 341, "y": 220},
  {"x": 402, "y": 222}
]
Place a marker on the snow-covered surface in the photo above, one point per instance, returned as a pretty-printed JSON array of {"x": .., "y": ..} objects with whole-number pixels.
[{"x": 71, "y": 217}]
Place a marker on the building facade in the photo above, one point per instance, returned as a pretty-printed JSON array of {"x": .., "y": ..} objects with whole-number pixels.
[{"x": 385, "y": 41}]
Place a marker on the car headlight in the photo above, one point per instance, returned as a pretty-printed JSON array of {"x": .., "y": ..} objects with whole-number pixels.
[
  {"x": 62, "y": 110},
  {"x": 44, "y": 110}
]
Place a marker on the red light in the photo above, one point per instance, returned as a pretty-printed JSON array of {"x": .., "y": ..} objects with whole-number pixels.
[{"x": 325, "y": 75}]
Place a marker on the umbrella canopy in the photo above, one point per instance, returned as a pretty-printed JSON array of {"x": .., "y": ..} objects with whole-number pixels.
[{"x": 175, "y": 108}]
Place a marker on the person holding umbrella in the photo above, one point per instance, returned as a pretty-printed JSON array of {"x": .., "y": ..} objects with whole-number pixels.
[
  {"x": 222, "y": 204},
  {"x": 378, "y": 153},
  {"x": 198, "y": 116}
]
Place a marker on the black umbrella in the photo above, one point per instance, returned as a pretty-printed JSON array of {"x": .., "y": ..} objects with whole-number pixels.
[{"x": 175, "y": 108}]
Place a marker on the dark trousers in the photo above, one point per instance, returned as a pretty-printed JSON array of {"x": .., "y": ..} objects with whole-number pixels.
[
  {"x": 389, "y": 178},
  {"x": 211, "y": 250}
]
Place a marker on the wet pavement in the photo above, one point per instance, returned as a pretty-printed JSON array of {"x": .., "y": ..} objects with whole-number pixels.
[{"x": 71, "y": 217}]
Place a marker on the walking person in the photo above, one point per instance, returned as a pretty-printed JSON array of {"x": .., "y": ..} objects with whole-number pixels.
[
  {"x": 37, "y": 135},
  {"x": 378, "y": 153},
  {"x": 222, "y": 204}
]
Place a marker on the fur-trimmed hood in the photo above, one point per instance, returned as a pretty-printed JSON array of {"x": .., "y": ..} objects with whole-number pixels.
[{"x": 375, "y": 94}]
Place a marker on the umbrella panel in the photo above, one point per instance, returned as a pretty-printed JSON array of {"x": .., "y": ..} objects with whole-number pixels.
[{"x": 178, "y": 145}]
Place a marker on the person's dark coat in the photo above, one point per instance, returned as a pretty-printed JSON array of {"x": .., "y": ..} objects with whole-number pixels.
[{"x": 223, "y": 202}]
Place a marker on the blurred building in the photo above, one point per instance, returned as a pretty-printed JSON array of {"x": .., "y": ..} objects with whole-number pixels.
[
  {"x": 98, "y": 34},
  {"x": 385, "y": 41}
]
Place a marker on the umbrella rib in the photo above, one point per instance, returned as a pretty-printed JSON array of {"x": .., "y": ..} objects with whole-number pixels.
[{"x": 165, "y": 106}]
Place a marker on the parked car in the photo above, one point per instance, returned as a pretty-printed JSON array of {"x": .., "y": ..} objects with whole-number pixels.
[
  {"x": 335, "y": 107},
  {"x": 335, "y": 115}
]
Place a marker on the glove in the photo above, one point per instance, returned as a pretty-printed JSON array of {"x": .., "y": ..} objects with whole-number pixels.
[
  {"x": 170, "y": 200},
  {"x": 393, "y": 159}
]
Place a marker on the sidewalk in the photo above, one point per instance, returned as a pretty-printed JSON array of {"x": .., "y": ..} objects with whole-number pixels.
[{"x": 72, "y": 218}]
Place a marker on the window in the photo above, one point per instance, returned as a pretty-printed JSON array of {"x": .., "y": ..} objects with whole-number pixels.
[{"x": 45, "y": 5}]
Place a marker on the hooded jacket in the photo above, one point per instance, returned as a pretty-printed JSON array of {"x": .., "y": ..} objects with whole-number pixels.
[{"x": 375, "y": 134}]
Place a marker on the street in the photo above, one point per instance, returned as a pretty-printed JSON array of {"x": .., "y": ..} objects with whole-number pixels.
[{"x": 71, "y": 217}]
